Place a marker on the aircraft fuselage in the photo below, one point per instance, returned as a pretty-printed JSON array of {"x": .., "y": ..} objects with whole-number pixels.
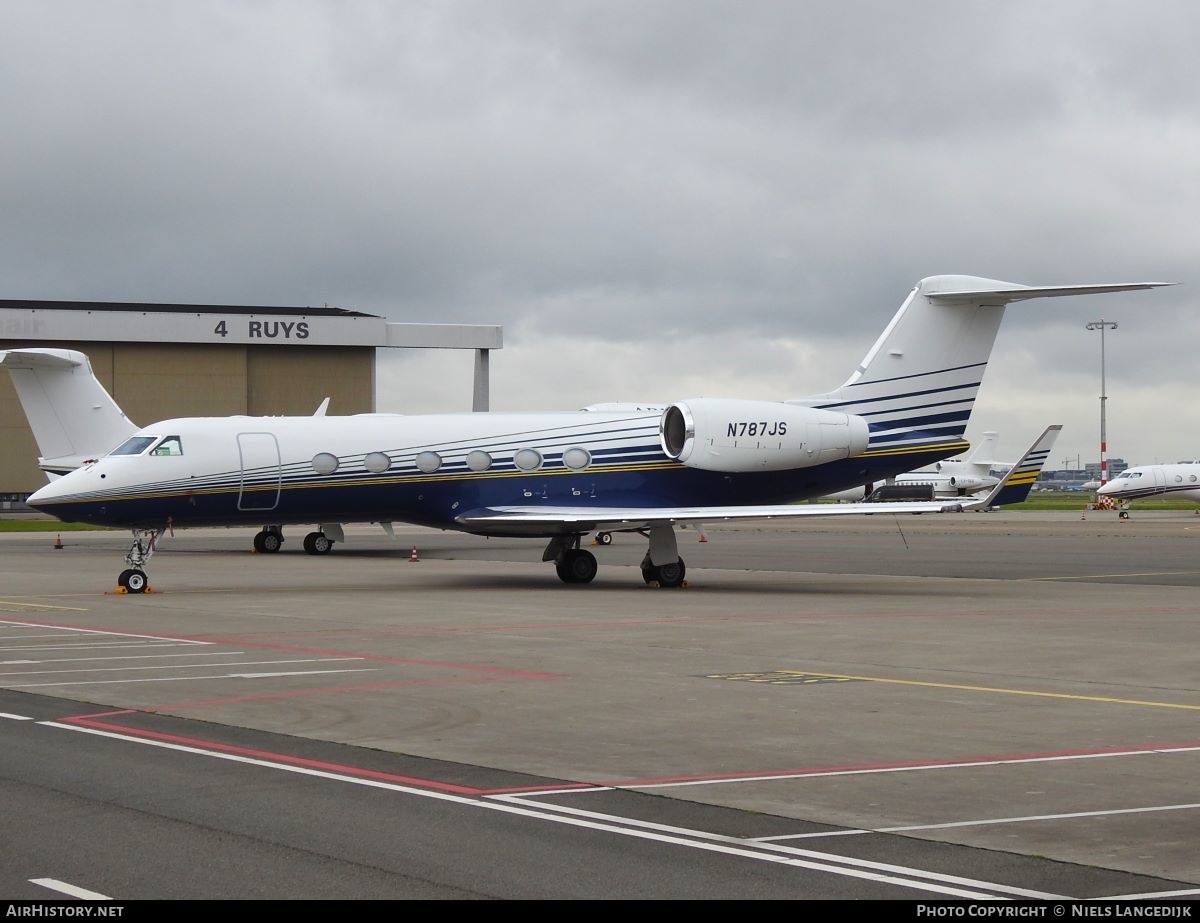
[{"x": 427, "y": 470}]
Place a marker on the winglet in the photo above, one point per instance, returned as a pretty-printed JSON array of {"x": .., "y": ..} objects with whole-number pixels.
[
  {"x": 1014, "y": 487},
  {"x": 320, "y": 411}
]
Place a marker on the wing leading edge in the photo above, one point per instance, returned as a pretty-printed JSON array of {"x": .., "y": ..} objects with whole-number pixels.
[{"x": 1012, "y": 488}]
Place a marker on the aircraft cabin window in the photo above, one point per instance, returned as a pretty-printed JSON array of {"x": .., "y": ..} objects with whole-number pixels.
[
  {"x": 479, "y": 461},
  {"x": 528, "y": 459},
  {"x": 377, "y": 462},
  {"x": 169, "y": 446},
  {"x": 134, "y": 446},
  {"x": 1178, "y": 478},
  {"x": 429, "y": 462},
  {"x": 324, "y": 463},
  {"x": 1192, "y": 478},
  {"x": 576, "y": 458}
]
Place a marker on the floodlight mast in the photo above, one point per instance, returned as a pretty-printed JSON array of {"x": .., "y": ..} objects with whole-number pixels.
[{"x": 1101, "y": 325}]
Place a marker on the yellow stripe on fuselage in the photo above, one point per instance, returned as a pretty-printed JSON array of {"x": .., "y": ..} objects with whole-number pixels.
[{"x": 952, "y": 447}]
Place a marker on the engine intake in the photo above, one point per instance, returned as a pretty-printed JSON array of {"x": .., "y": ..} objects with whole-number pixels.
[{"x": 738, "y": 436}]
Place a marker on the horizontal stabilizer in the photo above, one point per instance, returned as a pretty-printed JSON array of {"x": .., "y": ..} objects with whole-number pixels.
[
  {"x": 1009, "y": 292},
  {"x": 41, "y": 359}
]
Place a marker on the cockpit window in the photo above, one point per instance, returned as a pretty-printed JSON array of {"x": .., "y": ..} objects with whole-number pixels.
[
  {"x": 169, "y": 446},
  {"x": 135, "y": 445}
]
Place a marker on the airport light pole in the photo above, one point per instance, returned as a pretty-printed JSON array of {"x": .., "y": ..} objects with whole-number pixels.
[{"x": 1100, "y": 325}]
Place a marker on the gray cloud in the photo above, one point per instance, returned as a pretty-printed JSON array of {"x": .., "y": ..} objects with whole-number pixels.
[{"x": 680, "y": 191}]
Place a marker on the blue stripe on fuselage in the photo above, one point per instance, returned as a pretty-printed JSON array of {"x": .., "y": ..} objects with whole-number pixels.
[{"x": 436, "y": 501}]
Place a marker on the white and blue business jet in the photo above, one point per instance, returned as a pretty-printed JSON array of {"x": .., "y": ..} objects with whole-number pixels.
[{"x": 561, "y": 476}]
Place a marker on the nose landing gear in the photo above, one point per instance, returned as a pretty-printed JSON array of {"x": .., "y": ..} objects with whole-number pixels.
[{"x": 133, "y": 579}]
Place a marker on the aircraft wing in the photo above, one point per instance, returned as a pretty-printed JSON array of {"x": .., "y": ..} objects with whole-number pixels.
[
  {"x": 1012, "y": 488},
  {"x": 615, "y": 519}
]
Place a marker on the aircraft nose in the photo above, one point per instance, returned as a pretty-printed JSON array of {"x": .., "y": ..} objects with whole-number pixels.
[
  {"x": 39, "y": 496},
  {"x": 46, "y": 494}
]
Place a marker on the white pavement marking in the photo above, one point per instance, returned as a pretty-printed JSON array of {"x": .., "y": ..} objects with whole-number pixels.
[
  {"x": 24, "y": 635},
  {"x": 6, "y": 663},
  {"x": 73, "y": 890},
  {"x": 827, "y": 857},
  {"x": 100, "y": 645},
  {"x": 11, "y": 605},
  {"x": 4, "y": 714},
  {"x": 701, "y": 840},
  {"x": 101, "y": 631},
  {"x": 179, "y": 666},
  {"x": 296, "y": 673},
  {"x": 177, "y": 679},
  {"x": 982, "y": 823},
  {"x": 1150, "y": 896},
  {"x": 923, "y": 767}
]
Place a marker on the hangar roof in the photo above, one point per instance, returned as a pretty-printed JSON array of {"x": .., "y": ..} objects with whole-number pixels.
[
  {"x": 25, "y": 304},
  {"x": 147, "y": 322}
]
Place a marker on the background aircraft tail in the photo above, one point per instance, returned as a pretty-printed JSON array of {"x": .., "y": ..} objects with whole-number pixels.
[
  {"x": 984, "y": 454},
  {"x": 917, "y": 385},
  {"x": 1016, "y": 485},
  {"x": 72, "y": 416}
]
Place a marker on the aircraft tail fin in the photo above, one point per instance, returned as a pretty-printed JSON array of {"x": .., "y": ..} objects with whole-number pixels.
[
  {"x": 984, "y": 454},
  {"x": 916, "y": 386},
  {"x": 1015, "y": 486},
  {"x": 72, "y": 416}
]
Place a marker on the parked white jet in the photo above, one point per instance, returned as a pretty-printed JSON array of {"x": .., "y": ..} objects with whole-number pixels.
[
  {"x": 1175, "y": 482},
  {"x": 955, "y": 477},
  {"x": 561, "y": 476}
]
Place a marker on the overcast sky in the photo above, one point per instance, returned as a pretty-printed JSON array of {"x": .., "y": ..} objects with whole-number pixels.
[{"x": 656, "y": 200}]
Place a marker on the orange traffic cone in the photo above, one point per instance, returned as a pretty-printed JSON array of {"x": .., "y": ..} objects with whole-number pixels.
[
  {"x": 413, "y": 556},
  {"x": 703, "y": 537},
  {"x": 58, "y": 542}
]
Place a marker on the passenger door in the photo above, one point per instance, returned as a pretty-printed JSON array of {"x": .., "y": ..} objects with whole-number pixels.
[{"x": 259, "y": 453}]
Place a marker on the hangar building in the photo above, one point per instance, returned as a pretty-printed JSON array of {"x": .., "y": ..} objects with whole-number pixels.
[{"x": 160, "y": 361}]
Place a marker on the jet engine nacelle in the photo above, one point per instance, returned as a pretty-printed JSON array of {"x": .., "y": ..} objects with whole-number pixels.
[{"x": 729, "y": 435}]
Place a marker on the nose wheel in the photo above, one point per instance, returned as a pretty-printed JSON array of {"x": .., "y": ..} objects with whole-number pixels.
[{"x": 133, "y": 580}]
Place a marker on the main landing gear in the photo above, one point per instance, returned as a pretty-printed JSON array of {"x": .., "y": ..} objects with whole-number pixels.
[
  {"x": 270, "y": 539},
  {"x": 661, "y": 567},
  {"x": 664, "y": 575},
  {"x": 133, "y": 579},
  {"x": 318, "y": 543}
]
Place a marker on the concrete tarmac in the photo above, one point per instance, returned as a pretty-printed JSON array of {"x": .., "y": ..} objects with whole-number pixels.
[{"x": 1023, "y": 684}]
